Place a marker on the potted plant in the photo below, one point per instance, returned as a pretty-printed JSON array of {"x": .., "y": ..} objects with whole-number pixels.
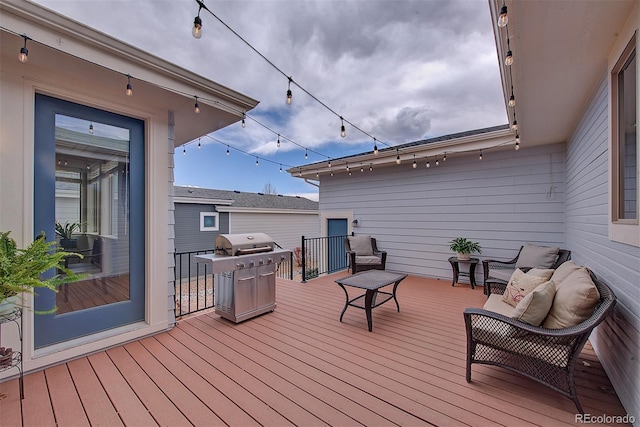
[
  {"x": 464, "y": 248},
  {"x": 65, "y": 231},
  {"x": 21, "y": 270}
]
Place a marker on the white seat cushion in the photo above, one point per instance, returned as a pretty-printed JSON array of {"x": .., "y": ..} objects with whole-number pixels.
[{"x": 369, "y": 260}]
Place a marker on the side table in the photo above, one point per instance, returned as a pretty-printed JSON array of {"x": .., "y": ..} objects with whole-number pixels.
[
  {"x": 454, "y": 261},
  {"x": 16, "y": 356}
]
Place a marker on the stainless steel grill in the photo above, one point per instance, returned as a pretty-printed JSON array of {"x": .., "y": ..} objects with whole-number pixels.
[{"x": 244, "y": 268}]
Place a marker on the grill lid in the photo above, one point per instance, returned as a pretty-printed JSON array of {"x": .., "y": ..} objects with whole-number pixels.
[{"x": 243, "y": 244}]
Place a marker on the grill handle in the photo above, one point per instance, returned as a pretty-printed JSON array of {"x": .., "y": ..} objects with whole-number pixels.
[{"x": 259, "y": 249}]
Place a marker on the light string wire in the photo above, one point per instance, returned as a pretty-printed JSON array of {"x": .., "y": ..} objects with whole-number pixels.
[{"x": 290, "y": 79}]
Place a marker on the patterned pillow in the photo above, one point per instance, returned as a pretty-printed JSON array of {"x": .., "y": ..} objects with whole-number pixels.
[
  {"x": 520, "y": 285},
  {"x": 534, "y": 307}
]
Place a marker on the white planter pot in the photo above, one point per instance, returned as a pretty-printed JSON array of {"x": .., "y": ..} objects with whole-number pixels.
[{"x": 463, "y": 257}]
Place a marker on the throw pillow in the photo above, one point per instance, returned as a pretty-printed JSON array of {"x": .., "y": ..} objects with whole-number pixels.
[
  {"x": 519, "y": 286},
  {"x": 541, "y": 272},
  {"x": 575, "y": 300},
  {"x": 537, "y": 256},
  {"x": 534, "y": 307},
  {"x": 563, "y": 271},
  {"x": 361, "y": 245}
]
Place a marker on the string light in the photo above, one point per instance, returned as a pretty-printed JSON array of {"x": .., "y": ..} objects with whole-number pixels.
[
  {"x": 243, "y": 117},
  {"x": 129, "y": 90},
  {"x": 517, "y": 142},
  {"x": 428, "y": 164},
  {"x": 257, "y": 164},
  {"x": 306, "y": 154},
  {"x": 280, "y": 167},
  {"x": 361, "y": 168},
  {"x": 370, "y": 167},
  {"x": 398, "y": 157},
  {"x": 415, "y": 165},
  {"x": 278, "y": 142},
  {"x": 503, "y": 19},
  {"x": 329, "y": 164},
  {"x": 289, "y": 94},
  {"x": 317, "y": 174},
  {"x": 480, "y": 155},
  {"x": 91, "y": 128},
  {"x": 196, "y": 31},
  {"x": 196, "y": 107},
  {"x": 184, "y": 150},
  {"x": 444, "y": 158},
  {"x": 512, "y": 99},
  {"x": 375, "y": 147},
  {"x": 331, "y": 171},
  {"x": 227, "y": 150},
  {"x": 23, "y": 56},
  {"x": 514, "y": 125},
  {"x": 343, "y": 131},
  {"x": 437, "y": 161},
  {"x": 199, "y": 145},
  {"x": 508, "y": 60}
]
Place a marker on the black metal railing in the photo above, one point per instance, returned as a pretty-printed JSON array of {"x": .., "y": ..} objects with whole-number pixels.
[
  {"x": 194, "y": 281},
  {"x": 320, "y": 255}
]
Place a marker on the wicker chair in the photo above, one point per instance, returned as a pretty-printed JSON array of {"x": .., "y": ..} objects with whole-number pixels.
[
  {"x": 548, "y": 356},
  {"x": 497, "y": 273},
  {"x": 358, "y": 263}
]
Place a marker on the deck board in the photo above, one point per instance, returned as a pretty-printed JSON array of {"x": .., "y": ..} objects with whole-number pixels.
[{"x": 301, "y": 366}]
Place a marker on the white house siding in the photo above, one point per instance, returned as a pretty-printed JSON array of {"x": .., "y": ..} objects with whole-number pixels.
[
  {"x": 508, "y": 198},
  {"x": 617, "y": 341},
  {"x": 171, "y": 265},
  {"x": 286, "y": 229}
]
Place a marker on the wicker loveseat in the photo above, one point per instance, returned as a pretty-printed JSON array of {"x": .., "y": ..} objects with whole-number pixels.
[
  {"x": 549, "y": 356},
  {"x": 363, "y": 254},
  {"x": 529, "y": 256}
]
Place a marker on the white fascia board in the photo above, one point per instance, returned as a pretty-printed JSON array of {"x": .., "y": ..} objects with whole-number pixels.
[
  {"x": 484, "y": 141},
  {"x": 200, "y": 201},
  {"x": 267, "y": 211}
]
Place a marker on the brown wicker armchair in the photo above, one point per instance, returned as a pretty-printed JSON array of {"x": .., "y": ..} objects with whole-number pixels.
[
  {"x": 497, "y": 272},
  {"x": 370, "y": 259},
  {"x": 546, "y": 355}
]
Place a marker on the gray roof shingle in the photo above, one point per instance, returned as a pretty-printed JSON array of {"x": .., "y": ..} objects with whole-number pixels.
[{"x": 248, "y": 200}]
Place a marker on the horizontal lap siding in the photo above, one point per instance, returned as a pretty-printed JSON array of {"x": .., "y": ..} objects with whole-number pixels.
[
  {"x": 187, "y": 227},
  {"x": 286, "y": 229},
  {"x": 617, "y": 341},
  {"x": 501, "y": 202}
]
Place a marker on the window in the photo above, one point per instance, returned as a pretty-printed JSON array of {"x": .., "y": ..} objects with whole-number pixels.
[
  {"x": 209, "y": 221},
  {"x": 624, "y": 153}
]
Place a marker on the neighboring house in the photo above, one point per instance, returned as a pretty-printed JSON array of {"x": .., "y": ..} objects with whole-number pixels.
[
  {"x": 75, "y": 147},
  {"x": 201, "y": 214},
  {"x": 573, "y": 184}
]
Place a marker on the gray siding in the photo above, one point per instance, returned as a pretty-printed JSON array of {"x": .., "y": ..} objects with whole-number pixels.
[
  {"x": 188, "y": 235},
  {"x": 617, "y": 341},
  {"x": 286, "y": 229},
  {"x": 509, "y": 198}
]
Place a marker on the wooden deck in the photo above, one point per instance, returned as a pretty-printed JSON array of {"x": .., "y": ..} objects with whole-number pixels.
[{"x": 300, "y": 366}]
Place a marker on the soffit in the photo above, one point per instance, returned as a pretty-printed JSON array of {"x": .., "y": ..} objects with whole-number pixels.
[{"x": 560, "y": 53}]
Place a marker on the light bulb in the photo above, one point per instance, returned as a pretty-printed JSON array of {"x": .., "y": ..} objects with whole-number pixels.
[
  {"x": 331, "y": 171},
  {"x": 280, "y": 168},
  {"x": 278, "y": 142},
  {"x": 23, "y": 56},
  {"x": 91, "y": 128},
  {"x": 329, "y": 164},
  {"x": 289, "y": 96},
  {"x": 129, "y": 90},
  {"x": 512, "y": 101},
  {"x": 184, "y": 151},
  {"x": 444, "y": 158},
  {"x": 227, "y": 150},
  {"x": 243, "y": 123},
  {"x": 375, "y": 149},
  {"x": 257, "y": 164},
  {"x": 196, "y": 31},
  {"x": 437, "y": 162},
  {"x": 361, "y": 168},
  {"x": 343, "y": 131},
  {"x": 306, "y": 155},
  {"x": 196, "y": 107},
  {"x": 199, "y": 145},
  {"x": 508, "y": 60},
  {"x": 517, "y": 145},
  {"x": 398, "y": 161},
  {"x": 415, "y": 165},
  {"x": 428, "y": 164},
  {"x": 514, "y": 125},
  {"x": 503, "y": 19},
  {"x": 480, "y": 155},
  {"x": 370, "y": 167}
]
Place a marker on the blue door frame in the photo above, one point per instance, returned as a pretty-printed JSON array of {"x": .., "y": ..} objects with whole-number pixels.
[{"x": 337, "y": 228}]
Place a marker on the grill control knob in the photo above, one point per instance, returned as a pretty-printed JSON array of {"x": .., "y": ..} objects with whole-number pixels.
[
  {"x": 261, "y": 261},
  {"x": 252, "y": 263},
  {"x": 240, "y": 265},
  {"x": 269, "y": 260}
]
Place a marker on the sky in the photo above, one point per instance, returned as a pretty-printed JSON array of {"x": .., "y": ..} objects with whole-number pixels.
[{"x": 400, "y": 70}]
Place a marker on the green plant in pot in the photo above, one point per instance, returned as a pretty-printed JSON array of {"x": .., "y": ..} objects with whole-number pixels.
[
  {"x": 65, "y": 231},
  {"x": 21, "y": 270},
  {"x": 464, "y": 247}
]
